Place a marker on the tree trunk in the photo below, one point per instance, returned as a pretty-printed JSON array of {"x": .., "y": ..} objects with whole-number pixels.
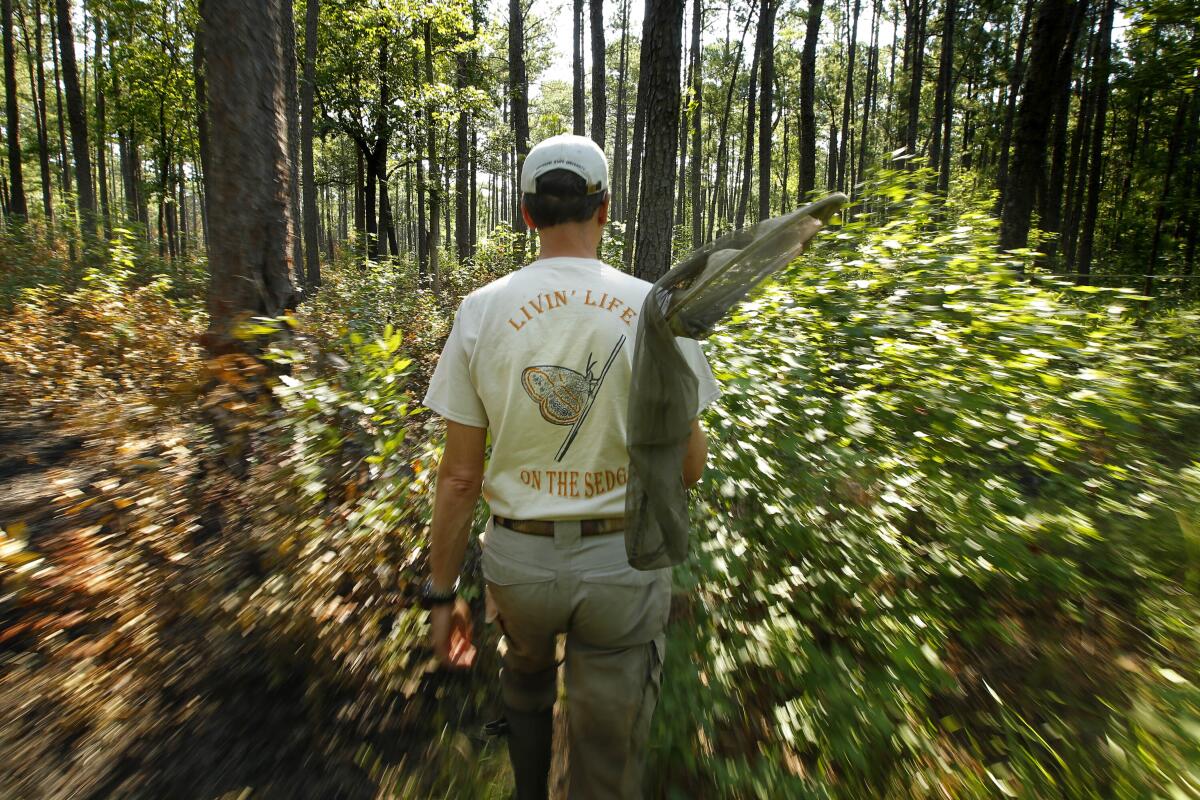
[
  {"x": 102, "y": 132},
  {"x": 658, "y": 94},
  {"x": 462, "y": 206},
  {"x": 916, "y": 14},
  {"x": 621, "y": 137},
  {"x": 1160, "y": 212},
  {"x": 766, "y": 110},
  {"x": 434, "y": 176},
  {"x": 697, "y": 122},
  {"x": 1051, "y": 29},
  {"x": 17, "y": 206},
  {"x": 360, "y": 194},
  {"x": 939, "y": 155},
  {"x": 1100, "y": 70},
  {"x": 599, "y": 73},
  {"x": 808, "y": 116},
  {"x": 1016, "y": 75},
  {"x": 578, "y": 102},
  {"x": 869, "y": 91},
  {"x": 78, "y": 120},
  {"x": 250, "y": 222},
  {"x": 291, "y": 86},
  {"x": 1052, "y": 197},
  {"x": 37, "y": 90},
  {"x": 519, "y": 97},
  {"x": 848, "y": 98},
  {"x": 312, "y": 255},
  {"x": 633, "y": 198},
  {"x": 748, "y": 144}
]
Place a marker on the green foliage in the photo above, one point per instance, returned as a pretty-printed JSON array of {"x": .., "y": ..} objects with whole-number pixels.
[{"x": 941, "y": 547}]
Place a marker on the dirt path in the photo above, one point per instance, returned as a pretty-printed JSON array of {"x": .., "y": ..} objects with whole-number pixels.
[{"x": 124, "y": 671}]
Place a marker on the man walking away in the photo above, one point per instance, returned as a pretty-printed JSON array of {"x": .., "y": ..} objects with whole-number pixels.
[{"x": 541, "y": 360}]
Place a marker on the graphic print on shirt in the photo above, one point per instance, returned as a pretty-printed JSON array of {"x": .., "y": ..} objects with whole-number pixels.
[{"x": 565, "y": 396}]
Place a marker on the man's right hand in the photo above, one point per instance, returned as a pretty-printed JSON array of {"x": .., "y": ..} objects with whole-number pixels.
[{"x": 450, "y": 626}]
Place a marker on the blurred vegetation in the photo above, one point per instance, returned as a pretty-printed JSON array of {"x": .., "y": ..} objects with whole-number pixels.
[{"x": 948, "y": 544}]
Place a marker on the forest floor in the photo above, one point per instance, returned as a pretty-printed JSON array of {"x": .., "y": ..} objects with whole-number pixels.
[{"x": 120, "y": 676}]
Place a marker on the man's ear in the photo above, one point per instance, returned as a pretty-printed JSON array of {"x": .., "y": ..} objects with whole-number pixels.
[
  {"x": 602, "y": 213},
  {"x": 528, "y": 219}
]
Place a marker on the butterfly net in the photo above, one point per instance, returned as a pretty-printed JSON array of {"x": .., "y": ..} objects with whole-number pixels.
[{"x": 689, "y": 301}]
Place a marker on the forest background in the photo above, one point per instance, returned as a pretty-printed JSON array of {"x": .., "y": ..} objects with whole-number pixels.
[{"x": 949, "y": 540}]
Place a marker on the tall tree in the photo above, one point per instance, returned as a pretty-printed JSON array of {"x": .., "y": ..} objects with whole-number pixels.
[
  {"x": 1051, "y": 28},
  {"x": 943, "y": 115},
  {"x": 808, "y": 95},
  {"x": 101, "y": 130},
  {"x": 462, "y": 206},
  {"x": 697, "y": 119},
  {"x": 599, "y": 73},
  {"x": 658, "y": 93},
  {"x": 248, "y": 194},
  {"x": 748, "y": 143},
  {"x": 1016, "y": 74},
  {"x": 1100, "y": 70},
  {"x": 518, "y": 89},
  {"x": 312, "y": 256},
  {"x": 916, "y": 14},
  {"x": 766, "y": 109},
  {"x": 17, "y": 205},
  {"x": 434, "y": 178},
  {"x": 621, "y": 136},
  {"x": 291, "y": 86},
  {"x": 843, "y": 159},
  {"x": 578, "y": 101},
  {"x": 78, "y": 119},
  {"x": 37, "y": 90}
]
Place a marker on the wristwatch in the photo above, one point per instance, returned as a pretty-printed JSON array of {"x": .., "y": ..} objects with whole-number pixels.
[{"x": 429, "y": 598}]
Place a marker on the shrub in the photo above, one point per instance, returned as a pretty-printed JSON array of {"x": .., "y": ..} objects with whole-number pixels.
[{"x": 939, "y": 549}]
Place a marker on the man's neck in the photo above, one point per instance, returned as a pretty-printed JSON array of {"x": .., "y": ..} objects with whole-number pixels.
[{"x": 567, "y": 241}]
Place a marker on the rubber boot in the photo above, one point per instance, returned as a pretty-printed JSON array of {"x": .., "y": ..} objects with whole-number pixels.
[{"x": 530, "y": 735}]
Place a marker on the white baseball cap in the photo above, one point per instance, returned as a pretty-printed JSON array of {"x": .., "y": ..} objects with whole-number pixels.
[{"x": 577, "y": 154}]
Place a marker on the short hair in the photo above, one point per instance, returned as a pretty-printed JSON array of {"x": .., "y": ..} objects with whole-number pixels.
[{"x": 562, "y": 197}]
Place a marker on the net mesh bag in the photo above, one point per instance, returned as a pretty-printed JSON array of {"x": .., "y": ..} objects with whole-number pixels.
[{"x": 689, "y": 301}]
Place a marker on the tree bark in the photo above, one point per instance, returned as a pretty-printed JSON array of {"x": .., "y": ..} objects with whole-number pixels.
[
  {"x": 312, "y": 254},
  {"x": 939, "y": 155},
  {"x": 869, "y": 91},
  {"x": 434, "y": 178},
  {"x": 250, "y": 220},
  {"x": 1051, "y": 29},
  {"x": 848, "y": 98},
  {"x": 1016, "y": 75},
  {"x": 697, "y": 122},
  {"x": 17, "y": 206},
  {"x": 658, "y": 94},
  {"x": 462, "y": 206},
  {"x": 518, "y": 89},
  {"x": 599, "y": 73},
  {"x": 102, "y": 132},
  {"x": 1100, "y": 70},
  {"x": 766, "y": 109},
  {"x": 37, "y": 90},
  {"x": 808, "y": 116},
  {"x": 748, "y": 144},
  {"x": 916, "y": 14},
  {"x": 621, "y": 136},
  {"x": 291, "y": 78},
  {"x": 578, "y": 101},
  {"x": 1160, "y": 212},
  {"x": 78, "y": 120}
]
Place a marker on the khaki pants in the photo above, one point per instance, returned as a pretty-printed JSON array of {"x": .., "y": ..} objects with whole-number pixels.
[{"x": 613, "y": 617}]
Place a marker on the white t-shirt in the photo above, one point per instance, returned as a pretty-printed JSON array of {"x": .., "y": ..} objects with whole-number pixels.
[{"x": 542, "y": 358}]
